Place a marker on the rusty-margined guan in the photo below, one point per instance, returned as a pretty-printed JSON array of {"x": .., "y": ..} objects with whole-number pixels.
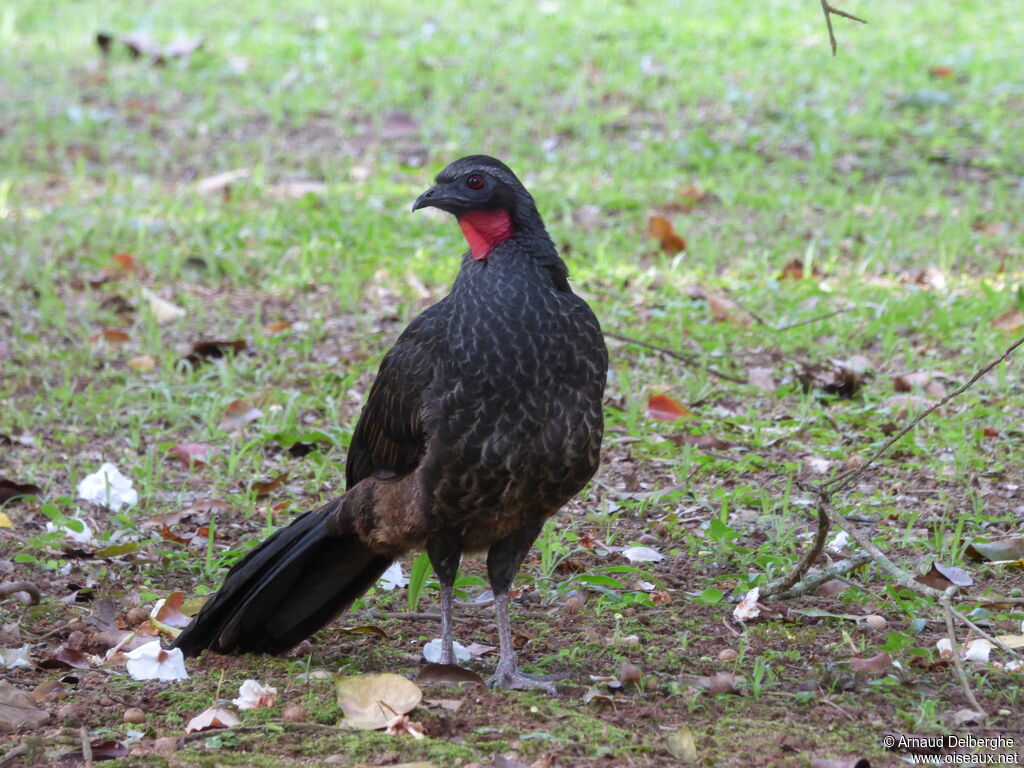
[{"x": 484, "y": 419}]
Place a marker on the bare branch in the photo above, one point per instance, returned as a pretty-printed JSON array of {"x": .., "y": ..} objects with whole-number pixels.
[
  {"x": 828, "y": 10},
  {"x": 957, "y": 664},
  {"x": 9, "y": 588},
  {"x": 688, "y": 359}
]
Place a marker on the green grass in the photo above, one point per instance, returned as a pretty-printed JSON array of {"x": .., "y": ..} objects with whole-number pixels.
[{"x": 867, "y": 167}]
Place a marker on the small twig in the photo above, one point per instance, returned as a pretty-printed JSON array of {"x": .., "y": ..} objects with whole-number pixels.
[
  {"x": 86, "y": 746},
  {"x": 9, "y": 588},
  {"x": 61, "y": 625},
  {"x": 811, "y": 583},
  {"x": 828, "y": 10},
  {"x": 684, "y": 358},
  {"x": 957, "y": 664},
  {"x": 785, "y": 584},
  {"x": 16, "y": 751},
  {"x": 994, "y": 640},
  {"x": 845, "y": 479},
  {"x": 789, "y": 326},
  {"x": 990, "y": 599}
]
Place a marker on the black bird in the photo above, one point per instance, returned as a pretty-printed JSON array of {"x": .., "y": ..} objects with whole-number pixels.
[{"x": 484, "y": 419}]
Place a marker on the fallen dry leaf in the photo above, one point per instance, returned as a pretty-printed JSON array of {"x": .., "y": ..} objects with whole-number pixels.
[
  {"x": 1010, "y": 320},
  {"x": 794, "y": 270},
  {"x": 941, "y": 72},
  {"x": 706, "y": 441},
  {"x": 142, "y": 363},
  {"x": 114, "y": 337},
  {"x": 370, "y": 702},
  {"x": 835, "y": 378},
  {"x": 213, "y": 717},
  {"x": 18, "y": 711},
  {"x": 193, "y": 453},
  {"x": 12, "y": 490},
  {"x": 167, "y": 616},
  {"x": 727, "y": 310},
  {"x": 221, "y": 182},
  {"x": 1009, "y": 548},
  {"x": 266, "y": 487},
  {"x": 762, "y": 378},
  {"x": 163, "y": 310},
  {"x": 434, "y": 674},
  {"x": 941, "y": 577},
  {"x": 664, "y": 408},
  {"x": 681, "y": 745},
  {"x": 238, "y": 414},
  {"x": 875, "y": 665},
  {"x": 661, "y": 229}
]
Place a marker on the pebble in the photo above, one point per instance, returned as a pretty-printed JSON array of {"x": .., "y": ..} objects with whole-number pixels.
[
  {"x": 134, "y": 715},
  {"x": 295, "y": 713},
  {"x": 166, "y": 745},
  {"x": 727, "y": 654},
  {"x": 876, "y": 622}
]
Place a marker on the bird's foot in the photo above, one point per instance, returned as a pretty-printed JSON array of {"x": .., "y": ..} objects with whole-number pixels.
[{"x": 510, "y": 678}]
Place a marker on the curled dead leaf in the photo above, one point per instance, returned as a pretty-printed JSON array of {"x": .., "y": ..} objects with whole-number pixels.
[
  {"x": 371, "y": 702},
  {"x": 661, "y": 229},
  {"x": 664, "y": 408}
]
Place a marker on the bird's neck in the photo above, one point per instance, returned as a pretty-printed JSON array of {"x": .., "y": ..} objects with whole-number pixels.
[{"x": 485, "y": 229}]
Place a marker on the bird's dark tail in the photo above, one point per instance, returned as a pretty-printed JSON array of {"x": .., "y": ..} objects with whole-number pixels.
[{"x": 286, "y": 589}]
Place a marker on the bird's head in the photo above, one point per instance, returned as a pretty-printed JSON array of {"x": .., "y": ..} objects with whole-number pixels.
[{"x": 489, "y": 202}]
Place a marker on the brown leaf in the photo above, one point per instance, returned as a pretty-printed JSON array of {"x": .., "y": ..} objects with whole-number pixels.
[
  {"x": 101, "y": 749},
  {"x": 794, "y": 270},
  {"x": 664, "y": 408},
  {"x": 238, "y": 414},
  {"x": 941, "y": 576},
  {"x": 629, "y": 674},
  {"x": 192, "y": 454},
  {"x": 370, "y": 702},
  {"x": 434, "y": 674},
  {"x": 280, "y": 325},
  {"x": 266, "y": 487},
  {"x": 142, "y": 363},
  {"x": 1010, "y": 320},
  {"x": 874, "y": 665},
  {"x": 940, "y": 72},
  {"x": 906, "y": 382},
  {"x": 66, "y": 658},
  {"x": 726, "y": 310},
  {"x": 113, "y": 337},
  {"x": 213, "y": 717},
  {"x": 49, "y": 690},
  {"x": 661, "y": 229},
  {"x": 12, "y": 490},
  {"x": 762, "y": 378},
  {"x": 1009, "y": 548},
  {"x": 18, "y": 711}
]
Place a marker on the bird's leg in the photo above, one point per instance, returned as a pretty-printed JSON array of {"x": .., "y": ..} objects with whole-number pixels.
[
  {"x": 445, "y": 552},
  {"x": 503, "y": 560}
]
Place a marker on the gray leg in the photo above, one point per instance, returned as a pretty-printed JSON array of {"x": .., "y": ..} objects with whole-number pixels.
[
  {"x": 445, "y": 552},
  {"x": 503, "y": 560}
]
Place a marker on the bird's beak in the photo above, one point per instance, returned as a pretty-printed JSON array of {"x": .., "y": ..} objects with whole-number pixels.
[{"x": 431, "y": 197}]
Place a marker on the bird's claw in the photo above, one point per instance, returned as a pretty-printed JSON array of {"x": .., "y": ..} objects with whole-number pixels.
[{"x": 510, "y": 678}]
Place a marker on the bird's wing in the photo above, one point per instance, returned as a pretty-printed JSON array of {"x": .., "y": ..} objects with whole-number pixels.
[{"x": 389, "y": 435}]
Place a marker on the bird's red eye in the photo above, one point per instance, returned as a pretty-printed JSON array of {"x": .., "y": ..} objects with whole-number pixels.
[{"x": 476, "y": 181}]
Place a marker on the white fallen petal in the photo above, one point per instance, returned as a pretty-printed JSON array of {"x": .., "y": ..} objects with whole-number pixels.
[
  {"x": 1015, "y": 666},
  {"x": 839, "y": 543},
  {"x": 977, "y": 650},
  {"x": 432, "y": 652},
  {"x": 163, "y": 310},
  {"x": 213, "y": 717},
  {"x": 16, "y": 657},
  {"x": 642, "y": 555},
  {"x": 108, "y": 488},
  {"x": 945, "y": 649},
  {"x": 393, "y": 577},
  {"x": 252, "y": 695},
  {"x": 84, "y": 536},
  {"x": 151, "y": 662},
  {"x": 747, "y": 608}
]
